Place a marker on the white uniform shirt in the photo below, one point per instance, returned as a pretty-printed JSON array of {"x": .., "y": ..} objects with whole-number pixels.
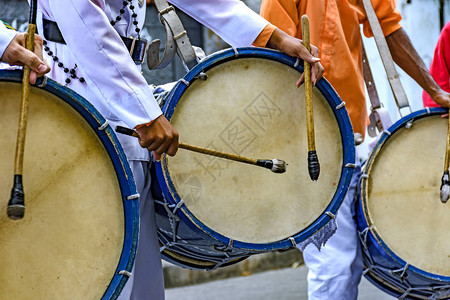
[
  {"x": 114, "y": 84},
  {"x": 6, "y": 36}
]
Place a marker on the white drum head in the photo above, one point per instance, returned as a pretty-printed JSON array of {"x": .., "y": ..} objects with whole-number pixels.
[
  {"x": 402, "y": 198},
  {"x": 69, "y": 243},
  {"x": 251, "y": 107}
]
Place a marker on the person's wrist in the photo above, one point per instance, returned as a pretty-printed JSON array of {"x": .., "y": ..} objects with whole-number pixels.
[
  {"x": 437, "y": 94},
  {"x": 276, "y": 40}
]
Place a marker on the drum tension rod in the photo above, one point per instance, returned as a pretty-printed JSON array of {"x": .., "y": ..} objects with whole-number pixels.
[{"x": 275, "y": 165}]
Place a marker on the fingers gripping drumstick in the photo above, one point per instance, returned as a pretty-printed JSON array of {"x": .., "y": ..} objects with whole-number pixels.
[
  {"x": 275, "y": 165},
  {"x": 445, "y": 186},
  {"x": 16, "y": 205},
  {"x": 313, "y": 160}
]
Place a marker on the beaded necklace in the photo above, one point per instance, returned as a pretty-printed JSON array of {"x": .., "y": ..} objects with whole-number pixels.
[
  {"x": 71, "y": 72},
  {"x": 133, "y": 15}
]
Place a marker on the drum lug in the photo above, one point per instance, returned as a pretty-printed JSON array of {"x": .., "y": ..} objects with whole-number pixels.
[
  {"x": 202, "y": 76},
  {"x": 409, "y": 124},
  {"x": 125, "y": 273},
  {"x": 236, "y": 52},
  {"x": 103, "y": 126},
  {"x": 387, "y": 132},
  {"x": 133, "y": 197},
  {"x": 184, "y": 81},
  {"x": 294, "y": 244},
  {"x": 340, "y": 105},
  {"x": 330, "y": 214}
]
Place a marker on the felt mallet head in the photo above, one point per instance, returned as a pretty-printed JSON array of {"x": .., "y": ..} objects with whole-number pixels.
[
  {"x": 16, "y": 205},
  {"x": 274, "y": 165}
]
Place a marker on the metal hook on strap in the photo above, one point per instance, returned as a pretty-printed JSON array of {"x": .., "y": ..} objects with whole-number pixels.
[{"x": 153, "y": 60}]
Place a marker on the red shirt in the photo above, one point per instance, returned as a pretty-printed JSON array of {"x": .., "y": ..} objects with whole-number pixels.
[{"x": 440, "y": 66}]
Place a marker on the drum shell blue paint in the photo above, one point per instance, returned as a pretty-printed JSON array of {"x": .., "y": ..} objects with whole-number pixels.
[
  {"x": 199, "y": 231},
  {"x": 120, "y": 163},
  {"x": 377, "y": 253}
]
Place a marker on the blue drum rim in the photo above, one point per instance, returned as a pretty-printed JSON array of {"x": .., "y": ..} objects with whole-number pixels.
[
  {"x": 341, "y": 117},
  {"x": 373, "y": 235},
  {"x": 120, "y": 163}
]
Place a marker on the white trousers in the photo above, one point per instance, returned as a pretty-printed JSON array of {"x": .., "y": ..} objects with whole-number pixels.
[
  {"x": 146, "y": 281},
  {"x": 335, "y": 271}
]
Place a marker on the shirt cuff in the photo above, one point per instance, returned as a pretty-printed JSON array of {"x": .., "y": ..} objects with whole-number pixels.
[
  {"x": 6, "y": 36},
  {"x": 263, "y": 38},
  {"x": 386, "y": 28},
  {"x": 142, "y": 125}
]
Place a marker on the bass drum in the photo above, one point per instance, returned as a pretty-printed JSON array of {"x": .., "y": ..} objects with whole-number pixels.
[
  {"x": 402, "y": 222},
  {"x": 79, "y": 234},
  {"x": 244, "y": 101}
]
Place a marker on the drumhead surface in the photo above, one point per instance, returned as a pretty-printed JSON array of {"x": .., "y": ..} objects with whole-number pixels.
[
  {"x": 403, "y": 196},
  {"x": 251, "y": 107},
  {"x": 70, "y": 240}
]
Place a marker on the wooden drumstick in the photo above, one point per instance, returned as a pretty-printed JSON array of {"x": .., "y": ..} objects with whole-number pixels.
[
  {"x": 313, "y": 160},
  {"x": 16, "y": 204},
  {"x": 275, "y": 165},
  {"x": 445, "y": 185}
]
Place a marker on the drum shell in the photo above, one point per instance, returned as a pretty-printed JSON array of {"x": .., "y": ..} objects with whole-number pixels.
[
  {"x": 81, "y": 108},
  {"x": 384, "y": 267},
  {"x": 193, "y": 226}
]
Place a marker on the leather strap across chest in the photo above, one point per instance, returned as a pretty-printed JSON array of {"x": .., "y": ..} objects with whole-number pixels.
[
  {"x": 386, "y": 57},
  {"x": 177, "y": 40}
]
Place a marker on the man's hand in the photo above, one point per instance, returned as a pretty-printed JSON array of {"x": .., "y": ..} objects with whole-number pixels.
[
  {"x": 160, "y": 137},
  {"x": 294, "y": 47},
  {"x": 17, "y": 54}
]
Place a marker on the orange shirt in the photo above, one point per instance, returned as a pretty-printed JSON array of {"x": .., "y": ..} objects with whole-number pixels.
[{"x": 334, "y": 26}]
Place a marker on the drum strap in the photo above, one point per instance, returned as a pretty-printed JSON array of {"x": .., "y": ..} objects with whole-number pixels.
[
  {"x": 176, "y": 39},
  {"x": 393, "y": 77},
  {"x": 379, "y": 116}
]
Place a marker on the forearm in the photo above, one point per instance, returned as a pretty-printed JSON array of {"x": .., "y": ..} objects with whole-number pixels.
[{"x": 407, "y": 58}]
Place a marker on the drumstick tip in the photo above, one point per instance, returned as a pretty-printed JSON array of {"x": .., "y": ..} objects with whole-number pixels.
[
  {"x": 313, "y": 165},
  {"x": 279, "y": 166},
  {"x": 16, "y": 205},
  {"x": 274, "y": 165}
]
